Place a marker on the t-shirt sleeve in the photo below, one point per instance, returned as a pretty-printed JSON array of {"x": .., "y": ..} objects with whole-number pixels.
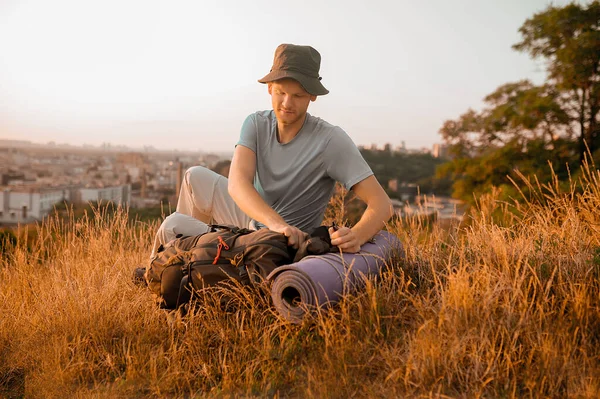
[
  {"x": 249, "y": 135},
  {"x": 343, "y": 160}
]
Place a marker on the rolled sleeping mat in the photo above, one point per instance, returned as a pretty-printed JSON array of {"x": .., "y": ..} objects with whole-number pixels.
[{"x": 321, "y": 280}]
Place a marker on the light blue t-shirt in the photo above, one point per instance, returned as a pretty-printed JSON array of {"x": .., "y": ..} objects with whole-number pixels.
[{"x": 297, "y": 178}]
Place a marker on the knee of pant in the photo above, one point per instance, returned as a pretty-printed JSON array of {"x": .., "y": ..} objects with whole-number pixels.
[
  {"x": 200, "y": 177},
  {"x": 196, "y": 171},
  {"x": 169, "y": 223}
]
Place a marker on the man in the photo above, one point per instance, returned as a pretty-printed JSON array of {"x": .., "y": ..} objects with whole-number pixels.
[{"x": 284, "y": 168}]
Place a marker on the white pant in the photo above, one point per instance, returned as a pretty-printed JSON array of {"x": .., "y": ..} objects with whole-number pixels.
[{"x": 203, "y": 199}]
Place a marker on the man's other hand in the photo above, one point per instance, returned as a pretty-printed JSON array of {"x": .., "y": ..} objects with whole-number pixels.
[
  {"x": 294, "y": 235},
  {"x": 344, "y": 239}
]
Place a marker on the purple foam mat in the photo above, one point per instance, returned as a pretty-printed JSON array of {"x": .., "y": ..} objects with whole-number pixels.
[{"x": 317, "y": 281}]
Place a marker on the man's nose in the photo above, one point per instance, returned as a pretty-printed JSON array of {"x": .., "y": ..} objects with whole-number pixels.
[{"x": 287, "y": 101}]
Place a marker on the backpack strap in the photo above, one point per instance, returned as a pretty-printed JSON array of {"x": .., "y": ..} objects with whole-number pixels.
[
  {"x": 222, "y": 244},
  {"x": 228, "y": 227}
]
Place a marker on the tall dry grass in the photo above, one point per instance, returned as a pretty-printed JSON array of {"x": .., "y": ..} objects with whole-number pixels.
[{"x": 504, "y": 306}]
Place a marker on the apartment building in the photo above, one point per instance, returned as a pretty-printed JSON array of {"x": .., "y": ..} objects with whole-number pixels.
[
  {"x": 120, "y": 195},
  {"x": 28, "y": 204}
]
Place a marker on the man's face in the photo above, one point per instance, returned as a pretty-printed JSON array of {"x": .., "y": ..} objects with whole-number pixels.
[{"x": 290, "y": 100}]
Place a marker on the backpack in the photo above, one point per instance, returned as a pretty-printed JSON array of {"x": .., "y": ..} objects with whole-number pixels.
[{"x": 224, "y": 254}]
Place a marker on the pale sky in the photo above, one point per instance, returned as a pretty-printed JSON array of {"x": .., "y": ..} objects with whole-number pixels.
[{"x": 183, "y": 74}]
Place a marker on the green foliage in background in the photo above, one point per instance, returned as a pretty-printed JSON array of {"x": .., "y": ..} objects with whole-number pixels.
[
  {"x": 530, "y": 130},
  {"x": 410, "y": 168}
]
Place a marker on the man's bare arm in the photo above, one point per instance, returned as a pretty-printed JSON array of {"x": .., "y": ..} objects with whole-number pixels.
[
  {"x": 379, "y": 211},
  {"x": 241, "y": 189}
]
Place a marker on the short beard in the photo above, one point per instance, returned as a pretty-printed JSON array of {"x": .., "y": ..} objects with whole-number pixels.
[{"x": 300, "y": 117}]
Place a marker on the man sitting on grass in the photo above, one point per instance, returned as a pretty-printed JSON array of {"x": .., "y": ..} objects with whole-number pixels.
[{"x": 284, "y": 168}]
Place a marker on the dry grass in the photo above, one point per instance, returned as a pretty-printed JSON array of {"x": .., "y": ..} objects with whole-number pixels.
[{"x": 507, "y": 306}]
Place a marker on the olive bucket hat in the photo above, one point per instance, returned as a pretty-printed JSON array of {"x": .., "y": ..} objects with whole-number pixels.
[{"x": 300, "y": 63}]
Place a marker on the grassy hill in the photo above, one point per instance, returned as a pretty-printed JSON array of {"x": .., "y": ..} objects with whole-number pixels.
[{"x": 505, "y": 305}]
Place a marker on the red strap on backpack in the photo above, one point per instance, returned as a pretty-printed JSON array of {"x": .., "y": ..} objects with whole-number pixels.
[{"x": 222, "y": 244}]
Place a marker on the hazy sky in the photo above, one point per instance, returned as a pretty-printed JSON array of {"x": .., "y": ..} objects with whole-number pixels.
[{"x": 183, "y": 74}]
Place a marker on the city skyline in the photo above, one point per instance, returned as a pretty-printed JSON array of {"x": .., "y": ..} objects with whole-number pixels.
[
  {"x": 184, "y": 75},
  {"x": 107, "y": 146}
]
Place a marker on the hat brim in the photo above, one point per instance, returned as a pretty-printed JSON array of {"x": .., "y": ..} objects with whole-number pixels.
[{"x": 311, "y": 85}]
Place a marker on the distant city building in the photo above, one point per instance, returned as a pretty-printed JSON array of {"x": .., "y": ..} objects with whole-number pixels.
[
  {"x": 440, "y": 151},
  {"x": 131, "y": 158},
  {"x": 401, "y": 148},
  {"x": 33, "y": 176},
  {"x": 120, "y": 195},
  {"x": 29, "y": 204},
  {"x": 11, "y": 177},
  {"x": 24, "y": 205}
]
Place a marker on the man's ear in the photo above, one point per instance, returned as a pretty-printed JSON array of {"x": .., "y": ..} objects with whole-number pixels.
[
  {"x": 269, "y": 87},
  {"x": 313, "y": 98}
]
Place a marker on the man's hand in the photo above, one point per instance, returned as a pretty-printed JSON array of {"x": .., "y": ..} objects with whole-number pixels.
[
  {"x": 344, "y": 239},
  {"x": 294, "y": 235}
]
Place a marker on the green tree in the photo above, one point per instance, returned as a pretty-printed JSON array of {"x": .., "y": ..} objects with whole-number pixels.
[
  {"x": 514, "y": 113},
  {"x": 462, "y": 135},
  {"x": 521, "y": 127},
  {"x": 522, "y": 110},
  {"x": 568, "y": 38},
  {"x": 525, "y": 127}
]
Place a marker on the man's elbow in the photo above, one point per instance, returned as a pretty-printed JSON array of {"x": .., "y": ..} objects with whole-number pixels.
[
  {"x": 389, "y": 209},
  {"x": 232, "y": 188},
  {"x": 383, "y": 208}
]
